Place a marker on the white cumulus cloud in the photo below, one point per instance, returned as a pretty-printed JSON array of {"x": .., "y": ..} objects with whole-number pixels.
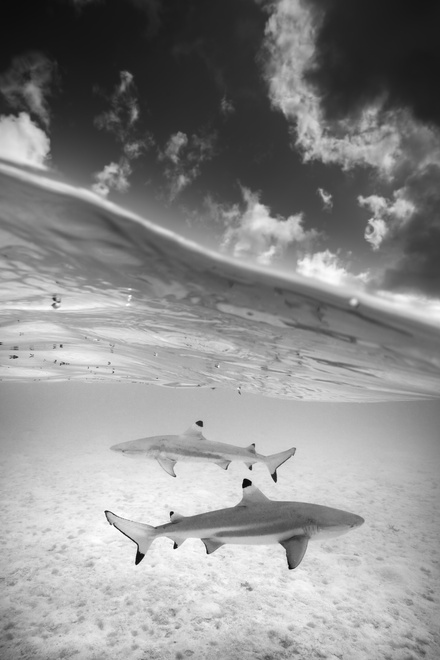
[
  {"x": 385, "y": 136},
  {"x": 328, "y": 266},
  {"x": 121, "y": 120},
  {"x": 174, "y": 147},
  {"x": 387, "y": 215},
  {"x": 254, "y": 233},
  {"x": 113, "y": 177},
  {"x": 369, "y": 139},
  {"x": 23, "y": 141},
  {"x": 183, "y": 157}
]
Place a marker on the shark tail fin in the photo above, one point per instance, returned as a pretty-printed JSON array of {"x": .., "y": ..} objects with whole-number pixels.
[
  {"x": 274, "y": 461},
  {"x": 142, "y": 535}
]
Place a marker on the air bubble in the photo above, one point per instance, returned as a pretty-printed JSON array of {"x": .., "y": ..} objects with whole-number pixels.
[
  {"x": 56, "y": 301},
  {"x": 354, "y": 302}
]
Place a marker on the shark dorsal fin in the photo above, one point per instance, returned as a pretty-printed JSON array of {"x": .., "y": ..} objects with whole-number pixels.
[
  {"x": 251, "y": 494},
  {"x": 175, "y": 517},
  {"x": 195, "y": 431},
  {"x": 251, "y": 448}
]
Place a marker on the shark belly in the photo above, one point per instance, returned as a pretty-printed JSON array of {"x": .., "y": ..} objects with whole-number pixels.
[{"x": 253, "y": 539}]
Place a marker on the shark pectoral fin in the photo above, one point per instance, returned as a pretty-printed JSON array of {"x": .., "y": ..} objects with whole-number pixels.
[
  {"x": 139, "y": 557},
  {"x": 212, "y": 545},
  {"x": 295, "y": 550},
  {"x": 223, "y": 464},
  {"x": 168, "y": 465},
  {"x": 249, "y": 465},
  {"x": 178, "y": 543}
]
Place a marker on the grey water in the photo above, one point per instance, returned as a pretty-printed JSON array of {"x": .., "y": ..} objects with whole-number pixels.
[{"x": 113, "y": 329}]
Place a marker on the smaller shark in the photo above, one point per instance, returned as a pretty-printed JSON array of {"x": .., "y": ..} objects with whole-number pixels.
[
  {"x": 255, "y": 520},
  {"x": 193, "y": 446}
]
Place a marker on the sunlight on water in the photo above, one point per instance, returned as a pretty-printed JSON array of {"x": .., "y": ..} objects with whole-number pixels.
[{"x": 92, "y": 292}]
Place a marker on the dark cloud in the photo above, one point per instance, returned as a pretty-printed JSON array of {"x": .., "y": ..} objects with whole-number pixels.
[
  {"x": 368, "y": 50},
  {"x": 418, "y": 269},
  {"x": 27, "y": 83}
]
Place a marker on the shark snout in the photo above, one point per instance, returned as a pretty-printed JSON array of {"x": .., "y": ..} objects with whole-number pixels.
[
  {"x": 357, "y": 521},
  {"x": 121, "y": 448}
]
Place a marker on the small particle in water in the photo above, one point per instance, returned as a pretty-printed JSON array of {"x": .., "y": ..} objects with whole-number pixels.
[
  {"x": 239, "y": 389},
  {"x": 217, "y": 366},
  {"x": 354, "y": 302},
  {"x": 155, "y": 354},
  {"x": 56, "y": 301}
]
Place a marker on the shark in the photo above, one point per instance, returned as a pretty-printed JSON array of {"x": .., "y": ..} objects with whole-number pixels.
[
  {"x": 193, "y": 446},
  {"x": 255, "y": 520}
]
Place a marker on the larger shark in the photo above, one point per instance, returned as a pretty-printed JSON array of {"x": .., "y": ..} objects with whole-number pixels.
[
  {"x": 193, "y": 446},
  {"x": 254, "y": 520}
]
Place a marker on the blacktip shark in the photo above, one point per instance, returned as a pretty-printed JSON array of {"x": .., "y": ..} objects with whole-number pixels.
[
  {"x": 255, "y": 520},
  {"x": 193, "y": 446}
]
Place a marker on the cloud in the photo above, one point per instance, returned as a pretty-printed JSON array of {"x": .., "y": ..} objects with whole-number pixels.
[
  {"x": 253, "y": 233},
  {"x": 289, "y": 48},
  {"x": 417, "y": 267},
  {"x": 388, "y": 216},
  {"x": 122, "y": 121},
  {"x": 328, "y": 267},
  {"x": 27, "y": 84},
  {"x": 113, "y": 177},
  {"x": 174, "y": 147},
  {"x": 326, "y": 198},
  {"x": 184, "y": 156},
  {"x": 23, "y": 141},
  {"x": 387, "y": 53},
  {"x": 360, "y": 89},
  {"x": 124, "y": 112},
  {"x": 226, "y": 106}
]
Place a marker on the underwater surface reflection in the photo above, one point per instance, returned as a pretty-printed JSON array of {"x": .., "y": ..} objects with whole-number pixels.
[{"x": 90, "y": 291}]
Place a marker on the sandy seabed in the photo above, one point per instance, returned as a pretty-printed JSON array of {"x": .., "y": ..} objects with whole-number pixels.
[{"x": 70, "y": 588}]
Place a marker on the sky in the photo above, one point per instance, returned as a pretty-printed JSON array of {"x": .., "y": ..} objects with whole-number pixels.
[{"x": 299, "y": 135}]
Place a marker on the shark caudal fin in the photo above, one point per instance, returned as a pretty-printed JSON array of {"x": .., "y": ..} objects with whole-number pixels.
[
  {"x": 274, "y": 461},
  {"x": 142, "y": 535}
]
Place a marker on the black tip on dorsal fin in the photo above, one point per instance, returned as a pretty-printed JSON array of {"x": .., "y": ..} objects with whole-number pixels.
[
  {"x": 199, "y": 423},
  {"x": 246, "y": 483},
  {"x": 171, "y": 513}
]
